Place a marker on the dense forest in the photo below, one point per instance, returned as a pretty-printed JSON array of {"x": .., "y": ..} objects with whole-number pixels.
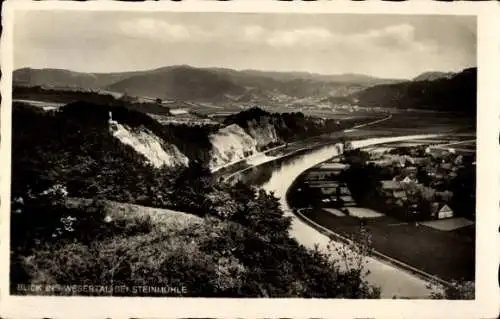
[
  {"x": 454, "y": 94},
  {"x": 67, "y": 96},
  {"x": 58, "y": 156},
  {"x": 289, "y": 126}
]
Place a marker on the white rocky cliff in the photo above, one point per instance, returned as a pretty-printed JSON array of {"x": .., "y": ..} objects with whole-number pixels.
[
  {"x": 145, "y": 142},
  {"x": 263, "y": 132},
  {"x": 230, "y": 144}
]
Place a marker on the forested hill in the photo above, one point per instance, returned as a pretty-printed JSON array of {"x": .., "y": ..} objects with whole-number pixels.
[
  {"x": 454, "y": 94},
  {"x": 241, "y": 135},
  {"x": 238, "y": 246},
  {"x": 187, "y": 83},
  {"x": 288, "y": 126}
]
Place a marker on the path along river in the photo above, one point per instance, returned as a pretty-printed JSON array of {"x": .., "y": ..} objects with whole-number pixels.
[{"x": 392, "y": 280}]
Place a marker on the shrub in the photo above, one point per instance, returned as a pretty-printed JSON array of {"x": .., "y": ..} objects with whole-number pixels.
[{"x": 456, "y": 290}]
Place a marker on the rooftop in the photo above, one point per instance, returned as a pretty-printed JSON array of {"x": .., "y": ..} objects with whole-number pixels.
[{"x": 389, "y": 184}]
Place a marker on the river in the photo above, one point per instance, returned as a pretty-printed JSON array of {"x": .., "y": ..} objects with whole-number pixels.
[{"x": 278, "y": 176}]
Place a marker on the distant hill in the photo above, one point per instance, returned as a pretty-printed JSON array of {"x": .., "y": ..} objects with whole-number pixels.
[
  {"x": 208, "y": 84},
  {"x": 454, "y": 94},
  {"x": 66, "y": 79},
  {"x": 431, "y": 76},
  {"x": 181, "y": 83},
  {"x": 430, "y": 90},
  {"x": 346, "y": 78}
]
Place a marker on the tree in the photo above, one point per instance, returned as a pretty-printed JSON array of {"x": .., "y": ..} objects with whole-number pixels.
[
  {"x": 456, "y": 290},
  {"x": 191, "y": 187}
]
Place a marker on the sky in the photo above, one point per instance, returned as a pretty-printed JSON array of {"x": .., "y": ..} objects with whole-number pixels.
[{"x": 389, "y": 46}]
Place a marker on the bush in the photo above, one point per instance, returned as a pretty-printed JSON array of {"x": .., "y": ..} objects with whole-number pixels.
[
  {"x": 457, "y": 290},
  {"x": 241, "y": 249}
]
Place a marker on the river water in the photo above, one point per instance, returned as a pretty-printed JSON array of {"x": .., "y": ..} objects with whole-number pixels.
[{"x": 278, "y": 176}]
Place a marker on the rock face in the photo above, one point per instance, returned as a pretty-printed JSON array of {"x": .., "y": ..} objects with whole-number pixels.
[
  {"x": 263, "y": 132},
  {"x": 230, "y": 144},
  {"x": 156, "y": 151}
]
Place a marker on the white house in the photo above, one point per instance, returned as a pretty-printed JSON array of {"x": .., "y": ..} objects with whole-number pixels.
[
  {"x": 441, "y": 211},
  {"x": 445, "y": 212},
  {"x": 178, "y": 111}
]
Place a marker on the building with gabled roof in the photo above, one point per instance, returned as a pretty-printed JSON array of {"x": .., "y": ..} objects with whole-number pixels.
[
  {"x": 441, "y": 211},
  {"x": 400, "y": 194},
  {"x": 347, "y": 200},
  {"x": 390, "y": 185}
]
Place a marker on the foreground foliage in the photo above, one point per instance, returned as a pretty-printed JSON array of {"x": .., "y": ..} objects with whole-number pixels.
[{"x": 237, "y": 246}]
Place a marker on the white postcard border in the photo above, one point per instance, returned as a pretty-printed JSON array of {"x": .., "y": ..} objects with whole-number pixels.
[{"x": 486, "y": 304}]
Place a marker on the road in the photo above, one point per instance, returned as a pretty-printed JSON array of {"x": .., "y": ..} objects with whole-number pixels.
[{"x": 371, "y": 123}]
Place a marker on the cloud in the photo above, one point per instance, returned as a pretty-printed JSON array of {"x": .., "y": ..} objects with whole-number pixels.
[
  {"x": 395, "y": 38},
  {"x": 388, "y": 40},
  {"x": 253, "y": 32},
  {"x": 400, "y": 37},
  {"x": 111, "y": 41},
  {"x": 305, "y": 36},
  {"x": 162, "y": 30}
]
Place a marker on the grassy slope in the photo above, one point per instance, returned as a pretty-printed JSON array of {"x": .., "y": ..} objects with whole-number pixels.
[
  {"x": 162, "y": 219},
  {"x": 447, "y": 255}
]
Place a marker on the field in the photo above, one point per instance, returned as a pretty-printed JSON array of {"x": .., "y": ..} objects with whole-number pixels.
[
  {"x": 448, "y": 224},
  {"x": 422, "y": 123},
  {"x": 41, "y": 104},
  {"x": 445, "y": 254},
  {"x": 360, "y": 212}
]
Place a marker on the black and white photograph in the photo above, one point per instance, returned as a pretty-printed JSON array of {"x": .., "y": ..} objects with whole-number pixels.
[{"x": 243, "y": 155}]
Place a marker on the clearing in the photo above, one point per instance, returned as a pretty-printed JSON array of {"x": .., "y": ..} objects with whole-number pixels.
[
  {"x": 360, "y": 212},
  {"x": 448, "y": 224}
]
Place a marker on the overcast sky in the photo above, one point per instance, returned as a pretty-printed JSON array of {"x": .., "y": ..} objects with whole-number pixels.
[{"x": 393, "y": 46}]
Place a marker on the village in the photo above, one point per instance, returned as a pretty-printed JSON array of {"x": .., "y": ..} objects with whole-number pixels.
[
  {"x": 416, "y": 179},
  {"x": 418, "y": 194}
]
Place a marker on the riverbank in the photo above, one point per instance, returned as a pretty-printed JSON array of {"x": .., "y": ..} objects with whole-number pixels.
[
  {"x": 380, "y": 256},
  {"x": 227, "y": 171},
  {"x": 393, "y": 281},
  {"x": 442, "y": 254}
]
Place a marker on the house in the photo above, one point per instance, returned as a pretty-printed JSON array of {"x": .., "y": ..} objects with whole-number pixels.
[
  {"x": 439, "y": 176},
  {"x": 333, "y": 166},
  {"x": 446, "y": 166},
  {"x": 445, "y": 212},
  {"x": 345, "y": 191},
  {"x": 409, "y": 179},
  {"x": 398, "y": 178},
  {"x": 329, "y": 190},
  {"x": 441, "y": 211},
  {"x": 402, "y": 161},
  {"x": 399, "y": 203},
  {"x": 410, "y": 170},
  {"x": 323, "y": 184},
  {"x": 400, "y": 195},
  {"x": 178, "y": 111},
  {"x": 445, "y": 195},
  {"x": 347, "y": 200},
  {"x": 459, "y": 160},
  {"x": 390, "y": 185},
  {"x": 381, "y": 162},
  {"x": 430, "y": 170},
  {"x": 317, "y": 175}
]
